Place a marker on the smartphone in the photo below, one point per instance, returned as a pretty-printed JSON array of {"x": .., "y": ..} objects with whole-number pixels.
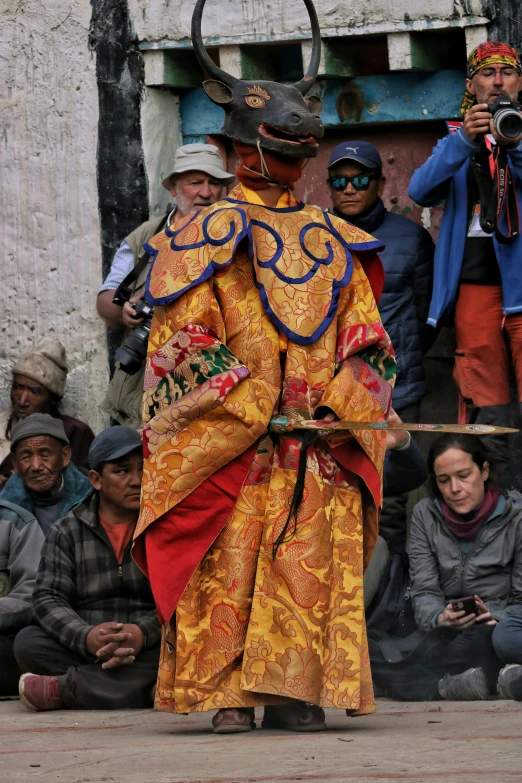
[{"x": 468, "y": 605}]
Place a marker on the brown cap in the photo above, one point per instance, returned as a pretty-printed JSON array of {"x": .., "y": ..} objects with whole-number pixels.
[{"x": 46, "y": 364}]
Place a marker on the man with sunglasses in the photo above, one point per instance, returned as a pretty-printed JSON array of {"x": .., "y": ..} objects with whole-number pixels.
[
  {"x": 477, "y": 272},
  {"x": 356, "y": 185}
]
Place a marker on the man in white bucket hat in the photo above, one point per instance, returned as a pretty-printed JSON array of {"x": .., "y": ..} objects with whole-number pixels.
[{"x": 196, "y": 180}]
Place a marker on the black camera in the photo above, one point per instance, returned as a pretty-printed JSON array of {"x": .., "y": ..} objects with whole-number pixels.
[
  {"x": 507, "y": 119},
  {"x": 132, "y": 354}
]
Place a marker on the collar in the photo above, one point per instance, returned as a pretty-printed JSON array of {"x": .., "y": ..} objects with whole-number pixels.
[
  {"x": 369, "y": 220},
  {"x": 253, "y": 198},
  {"x": 54, "y": 500}
]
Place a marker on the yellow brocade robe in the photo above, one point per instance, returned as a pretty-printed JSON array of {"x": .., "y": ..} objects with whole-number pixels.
[{"x": 237, "y": 339}]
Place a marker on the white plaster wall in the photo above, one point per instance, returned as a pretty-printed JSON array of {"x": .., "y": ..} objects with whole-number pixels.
[
  {"x": 161, "y": 137},
  {"x": 163, "y": 19},
  {"x": 49, "y": 227}
]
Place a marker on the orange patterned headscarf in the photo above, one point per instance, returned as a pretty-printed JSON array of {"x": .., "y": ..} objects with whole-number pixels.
[{"x": 490, "y": 53}]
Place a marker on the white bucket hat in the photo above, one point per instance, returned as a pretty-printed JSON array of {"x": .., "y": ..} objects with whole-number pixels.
[{"x": 199, "y": 157}]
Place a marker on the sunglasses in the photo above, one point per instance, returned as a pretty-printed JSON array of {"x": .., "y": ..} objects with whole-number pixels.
[{"x": 359, "y": 182}]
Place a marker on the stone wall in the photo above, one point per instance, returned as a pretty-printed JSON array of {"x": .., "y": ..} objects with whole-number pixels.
[
  {"x": 274, "y": 19},
  {"x": 49, "y": 224}
]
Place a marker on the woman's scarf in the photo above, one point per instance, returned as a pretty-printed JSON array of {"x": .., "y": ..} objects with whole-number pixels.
[{"x": 468, "y": 525}]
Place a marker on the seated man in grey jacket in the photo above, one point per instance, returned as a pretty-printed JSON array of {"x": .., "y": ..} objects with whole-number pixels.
[
  {"x": 21, "y": 540},
  {"x": 96, "y": 645},
  {"x": 44, "y": 482}
]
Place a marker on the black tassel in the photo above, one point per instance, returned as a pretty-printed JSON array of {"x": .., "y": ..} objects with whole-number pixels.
[{"x": 307, "y": 439}]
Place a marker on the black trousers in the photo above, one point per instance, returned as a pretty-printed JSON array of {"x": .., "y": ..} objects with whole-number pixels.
[
  {"x": 83, "y": 684},
  {"x": 439, "y": 652},
  {"x": 393, "y": 523},
  {"x": 9, "y": 669}
]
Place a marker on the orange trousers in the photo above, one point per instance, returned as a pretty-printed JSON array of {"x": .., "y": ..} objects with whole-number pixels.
[{"x": 487, "y": 343}]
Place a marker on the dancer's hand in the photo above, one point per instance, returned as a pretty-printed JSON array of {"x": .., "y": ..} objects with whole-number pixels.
[{"x": 325, "y": 415}]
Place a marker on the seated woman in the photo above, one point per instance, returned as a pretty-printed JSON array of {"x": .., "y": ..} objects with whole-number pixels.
[{"x": 466, "y": 540}]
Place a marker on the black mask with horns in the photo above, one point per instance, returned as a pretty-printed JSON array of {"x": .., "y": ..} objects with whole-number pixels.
[{"x": 276, "y": 117}]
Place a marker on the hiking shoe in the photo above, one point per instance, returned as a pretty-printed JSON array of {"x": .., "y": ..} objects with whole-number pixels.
[
  {"x": 38, "y": 692},
  {"x": 471, "y": 685},
  {"x": 509, "y": 684},
  {"x": 233, "y": 721},
  {"x": 298, "y": 716}
]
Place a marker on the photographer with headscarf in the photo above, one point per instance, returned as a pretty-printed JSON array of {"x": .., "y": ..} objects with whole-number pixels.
[{"x": 477, "y": 169}]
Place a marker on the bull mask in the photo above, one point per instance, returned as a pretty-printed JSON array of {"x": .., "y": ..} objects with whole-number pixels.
[{"x": 274, "y": 116}]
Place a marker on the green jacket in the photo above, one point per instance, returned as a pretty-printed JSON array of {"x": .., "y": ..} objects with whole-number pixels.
[{"x": 125, "y": 392}]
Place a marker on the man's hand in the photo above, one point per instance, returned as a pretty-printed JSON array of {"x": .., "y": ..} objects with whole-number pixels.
[
  {"x": 478, "y": 120},
  {"x": 98, "y": 636},
  {"x": 116, "y": 643},
  {"x": 484, "y": 615},
  {"x": 128, "y": 315},
  {"x": 455, "y": 619},
  {"x": 395, "y": 438},
  {"x": 115, "y": 315}
]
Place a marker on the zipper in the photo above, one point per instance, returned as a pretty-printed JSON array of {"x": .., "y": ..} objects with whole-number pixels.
[{"x": 120, "y": 570}]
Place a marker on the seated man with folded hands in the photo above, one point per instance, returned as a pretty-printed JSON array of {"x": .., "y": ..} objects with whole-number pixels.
[{"x": 96, "y": 645}]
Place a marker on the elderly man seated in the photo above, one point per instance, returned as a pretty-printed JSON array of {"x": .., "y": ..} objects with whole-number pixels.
[
  {"x": 38, "y": 386},
  {"x": 96, "y": 645},
  {"x": 45, "y": 481},
  {"x": 21, "y": 540}
]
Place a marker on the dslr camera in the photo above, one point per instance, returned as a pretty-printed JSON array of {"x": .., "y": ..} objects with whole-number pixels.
[
  {"x": 132, "y": 354},
  {"x": 507, "y": 119}
]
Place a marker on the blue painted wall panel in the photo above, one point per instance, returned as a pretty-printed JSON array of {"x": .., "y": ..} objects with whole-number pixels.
[{"x": 396, "y": 97}]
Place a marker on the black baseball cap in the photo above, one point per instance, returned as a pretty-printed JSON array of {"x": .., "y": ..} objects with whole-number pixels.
[
  {"x": 111, "y": 444},
  {"x": 360, "y": 151}
]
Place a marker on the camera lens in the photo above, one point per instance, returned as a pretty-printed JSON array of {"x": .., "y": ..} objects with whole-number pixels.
[
  {"x": 508, "y": 123},
  {"x": 132, "y": 355}
]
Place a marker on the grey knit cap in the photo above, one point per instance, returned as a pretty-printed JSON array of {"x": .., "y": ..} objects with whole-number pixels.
[{"x": 38, "y": 424}]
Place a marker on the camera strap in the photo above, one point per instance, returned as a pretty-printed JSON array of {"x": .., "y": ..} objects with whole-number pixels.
[
  {"x": 505, "y": 198},
  {"x": 125, "y": 289},
  {"x": 499, "y": 211},
  {"x": 480, "y": 165}
]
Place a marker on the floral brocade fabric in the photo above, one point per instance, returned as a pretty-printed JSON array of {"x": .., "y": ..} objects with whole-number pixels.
[
  {"x": 251, "y": 629},
  {"x": 301, "y": 258}
]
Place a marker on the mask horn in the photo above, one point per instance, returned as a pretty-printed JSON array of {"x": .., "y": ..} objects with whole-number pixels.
[
  {"x": 311, "y": 75},
  {"x": 201, "y": 53}
]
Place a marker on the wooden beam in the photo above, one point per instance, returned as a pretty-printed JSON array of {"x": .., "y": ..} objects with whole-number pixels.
[
  {"x": 426, "y": 51},
  {"x": 337, "y": 58},
  {"x": 475, "y": 36},
  {"x": 171, "y": 68}
]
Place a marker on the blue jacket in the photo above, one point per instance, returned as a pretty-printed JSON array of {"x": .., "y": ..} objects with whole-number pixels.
[
  {"x": 445, "y": 176},
  {"x": 75, "y": 487},
  {"x": 404, "y": 470},
  {"x": 408, "y": 273}
]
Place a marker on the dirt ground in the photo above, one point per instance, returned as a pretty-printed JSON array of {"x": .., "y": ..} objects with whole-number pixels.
[{"x": 466, "y": 742}]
